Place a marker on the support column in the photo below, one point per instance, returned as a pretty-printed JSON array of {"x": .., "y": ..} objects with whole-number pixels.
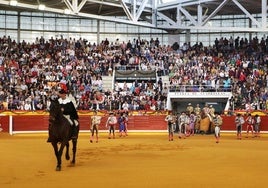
[
  {"x": 264, "y": 13},
  {"x": 18, "y": 26},
  {"x": 98, "y": 31},
  {"x": 250, "y": 26},
  {"x": 188, "y": 36}
]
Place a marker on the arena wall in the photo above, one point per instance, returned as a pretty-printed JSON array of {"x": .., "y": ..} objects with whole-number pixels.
[{"x": 38, "y": 122}]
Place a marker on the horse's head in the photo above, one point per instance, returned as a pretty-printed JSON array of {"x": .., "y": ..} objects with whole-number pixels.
[{"x": 54, "y": 110}]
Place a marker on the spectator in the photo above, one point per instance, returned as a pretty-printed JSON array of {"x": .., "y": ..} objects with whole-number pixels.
[{"x": 34, "y": 69}]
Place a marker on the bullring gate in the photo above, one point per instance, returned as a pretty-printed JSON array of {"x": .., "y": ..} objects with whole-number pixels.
[{"x": 179, "y": 98}]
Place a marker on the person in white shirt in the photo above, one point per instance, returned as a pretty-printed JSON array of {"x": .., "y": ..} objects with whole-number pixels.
[
  {"x": 27, "y": 105},
  {"x": 125, "y": 106},
  {"x": 182, "y": 121},
  {"x": 257, "y": 125},
  {"x": 95, "y": 121},
  {"x": 153, "y": 107},
  {"x": 239, "y": 121},
  {"x": 111, "y": 122},
  {"x": 218, "y": 123}
]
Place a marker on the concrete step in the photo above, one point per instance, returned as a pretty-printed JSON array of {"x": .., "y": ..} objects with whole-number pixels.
[{"x": 107, "y": 82}]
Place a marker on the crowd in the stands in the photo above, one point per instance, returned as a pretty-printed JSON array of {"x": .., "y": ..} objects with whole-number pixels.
[{"x": 30, "y": 72}]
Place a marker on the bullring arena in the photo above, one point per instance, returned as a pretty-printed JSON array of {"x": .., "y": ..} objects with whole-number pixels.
[{"x": 141, "y": 159}]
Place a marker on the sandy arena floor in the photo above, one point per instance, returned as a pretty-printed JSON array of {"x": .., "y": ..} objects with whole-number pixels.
[{"x": 144, "y": 160}]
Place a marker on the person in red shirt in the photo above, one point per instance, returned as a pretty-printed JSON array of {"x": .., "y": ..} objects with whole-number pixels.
[
  {"x": 250, "y": 123},
  {"x": 242, "y": 77}
]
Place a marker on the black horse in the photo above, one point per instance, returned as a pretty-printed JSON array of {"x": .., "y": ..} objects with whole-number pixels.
[{"x": 60, "y": 131}]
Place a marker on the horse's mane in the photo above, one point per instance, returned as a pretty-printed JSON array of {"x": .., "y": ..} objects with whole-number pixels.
[{"x": 55, "y": 113}]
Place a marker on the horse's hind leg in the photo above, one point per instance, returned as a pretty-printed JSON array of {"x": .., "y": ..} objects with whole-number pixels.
[
  {"x": 74, "y": 141},
  {"x": 67, "y": 156}
]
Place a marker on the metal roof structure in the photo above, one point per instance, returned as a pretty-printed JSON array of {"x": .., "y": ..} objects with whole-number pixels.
[{"x": 177, "y": 15}]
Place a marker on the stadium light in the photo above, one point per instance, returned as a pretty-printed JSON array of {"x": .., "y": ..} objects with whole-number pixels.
[
  {"x": 13, "y": 3},
  {"x": 41, "y": 7}
]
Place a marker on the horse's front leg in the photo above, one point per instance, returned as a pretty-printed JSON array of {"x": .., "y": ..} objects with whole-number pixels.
[
  {"x": 58, "y": 155},
  {"x": 67, "y": 156},
  {"x": 74, "y": 141}
]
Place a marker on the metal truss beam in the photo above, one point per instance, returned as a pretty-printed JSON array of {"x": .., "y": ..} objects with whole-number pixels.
[
  {"x": 247, "y": 13},
  {"x": 214, "y": 13},
  {"x": 141, "y": 9},
  {"x": 199, "y": 20},
  {"x": 127, "y": 11},
  {"x": 152, "y": 13}
]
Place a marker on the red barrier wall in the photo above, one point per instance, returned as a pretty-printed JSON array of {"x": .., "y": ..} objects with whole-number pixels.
[
  {"x": 229, "y": 125},
  {"x": 143, "y": 122},
  {"x": 4, "y": 122}
]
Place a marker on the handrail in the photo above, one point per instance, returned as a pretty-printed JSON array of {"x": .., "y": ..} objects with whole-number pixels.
[
  {"x": 127, "y": 67},
  {"x": 199, "y": 88}
]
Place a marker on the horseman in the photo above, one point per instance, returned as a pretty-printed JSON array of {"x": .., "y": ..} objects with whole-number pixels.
[{"x": 68, "y": 110}]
